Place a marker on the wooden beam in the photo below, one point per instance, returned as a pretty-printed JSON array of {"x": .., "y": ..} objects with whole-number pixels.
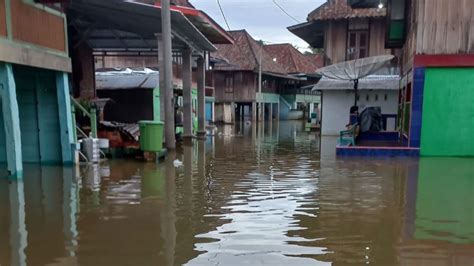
[{"x": 16, "y": 53}]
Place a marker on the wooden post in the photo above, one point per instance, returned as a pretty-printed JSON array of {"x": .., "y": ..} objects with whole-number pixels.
[
  {"x": 168, "y": 75},
  {"x": 254, "y": 111},
  {"x": 270, "y": 112},
  {"x": 161, "y": 77},
  {"x": 187, "y": 94},
  {"x": 65, "y": 117},
  {"x": 11, "y": 120},
  {"x": 201, "y": 106},
  {"x": 278, "y": 112}
]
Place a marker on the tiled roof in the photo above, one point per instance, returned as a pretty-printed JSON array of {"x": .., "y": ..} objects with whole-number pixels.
[
  {"x": 339, "y": 9},
  {"x": 244, "y": 54},
  {"x": 293, "y": 60}
]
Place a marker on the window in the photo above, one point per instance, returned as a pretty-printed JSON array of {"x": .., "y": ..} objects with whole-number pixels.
[
  {"x": 229, "y": 83},
  {"x": 357, "y": 44},
  {"x": 376, "y": 97},
  {"x": 386, "y": 97}
]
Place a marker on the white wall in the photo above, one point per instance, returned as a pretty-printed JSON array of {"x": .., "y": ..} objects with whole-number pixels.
[{"x": 336, "y": 105}]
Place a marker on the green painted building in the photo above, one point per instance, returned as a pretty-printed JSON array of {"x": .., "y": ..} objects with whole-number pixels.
[{"x": 35, "y": 122}]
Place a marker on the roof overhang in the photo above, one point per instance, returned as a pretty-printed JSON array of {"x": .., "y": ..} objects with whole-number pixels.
[
  {"x": 117, "y": 25},
  {"x": 284, "y": 76},
  {"x": 312, "y": 32},
  {"x": 371, "y": 82},
  {"x": 213, "y": 31}
]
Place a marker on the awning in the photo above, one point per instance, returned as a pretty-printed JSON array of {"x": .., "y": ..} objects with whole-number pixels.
[
  {"x": 213, "y": 31},
  {"x": 372, "y": 82},
  {"x": 127, "y": 79},
  {"x": 117, "y": 25},
  {"x": 312, "y": 32}
]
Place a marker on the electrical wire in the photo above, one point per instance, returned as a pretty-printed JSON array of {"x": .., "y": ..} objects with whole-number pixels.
[
  {"x": 223, "y": 15},
  {"x": 284, "y": 11}
]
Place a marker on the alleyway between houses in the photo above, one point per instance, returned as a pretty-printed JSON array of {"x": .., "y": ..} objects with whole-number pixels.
[{"x": 245, "y": 196}]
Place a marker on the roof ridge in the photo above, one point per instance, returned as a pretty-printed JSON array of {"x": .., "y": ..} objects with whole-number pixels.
[
  {"x": 249, "y": 42},
  {"x": 292, "y": 57}
]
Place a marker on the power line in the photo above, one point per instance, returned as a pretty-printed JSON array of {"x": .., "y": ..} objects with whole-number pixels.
[
  {"x": 223, "y": 15},
  {"x": 284, "y": 11}
]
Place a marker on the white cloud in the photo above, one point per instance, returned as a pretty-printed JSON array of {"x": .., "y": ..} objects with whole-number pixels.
[{"x": 261, "y": 18}]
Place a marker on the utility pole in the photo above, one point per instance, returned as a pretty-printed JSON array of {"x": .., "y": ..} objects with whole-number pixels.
[
  {"x": 260, "y": 110},
  {"x": 168, "y": 75}
]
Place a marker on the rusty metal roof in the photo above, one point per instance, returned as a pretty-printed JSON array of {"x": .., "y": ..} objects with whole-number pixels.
[
  {"x": 244, "y": 54},
  {"x": 293, "y": 60},
  {"x": 339, "y": 9}
]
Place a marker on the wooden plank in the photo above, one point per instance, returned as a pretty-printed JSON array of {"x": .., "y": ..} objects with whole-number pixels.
[
  {"x": 27, "y": 104},
  {"x": 48, "y": 117},
  {"x": 3, "y": 19},
  {"x": 33, "y": 25},
  {"x": 440, "y": 22},
  {"x": 18, "y": 54}
]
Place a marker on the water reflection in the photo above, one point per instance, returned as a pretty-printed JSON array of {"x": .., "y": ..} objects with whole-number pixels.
[{"x": 246, "y": 196}]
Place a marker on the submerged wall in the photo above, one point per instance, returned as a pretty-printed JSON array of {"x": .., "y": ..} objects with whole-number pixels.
[
  {"x": 336, "y": 105},
  {"x": 448, "y": 112}
]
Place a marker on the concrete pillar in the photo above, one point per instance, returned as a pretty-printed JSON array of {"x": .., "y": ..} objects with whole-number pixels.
[
  {"x": 261, "y": 112},
  {"x": 254, "y": 111},
  {"x": 201, "y": 87},
  {"x": 11, "y": 121},
  {"x": 65, "y": 117},
  {"x": 168, "y": 75},
  {"x": 187, "y": 94}
]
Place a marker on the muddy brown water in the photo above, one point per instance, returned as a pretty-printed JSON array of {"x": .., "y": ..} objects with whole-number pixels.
[{"x": 243, "y": 197}]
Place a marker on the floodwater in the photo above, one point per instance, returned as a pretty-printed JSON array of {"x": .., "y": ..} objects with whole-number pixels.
[{"x": 243, "y": 197}]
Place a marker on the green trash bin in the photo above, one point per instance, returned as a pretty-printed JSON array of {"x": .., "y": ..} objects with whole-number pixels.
[{"x": 151, "y": 136}]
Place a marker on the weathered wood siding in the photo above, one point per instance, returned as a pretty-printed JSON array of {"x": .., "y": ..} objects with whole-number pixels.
[
  {"x": 3, "y": 19},
  {"x": 444, "y": 26},
  {"x": 244, "y": 89},
  {"x": 377, "y": 38},
  {"x": 336, "y": 41},
  {"x": 408, "y": 50},
  {"x": 36, "y": 26}
]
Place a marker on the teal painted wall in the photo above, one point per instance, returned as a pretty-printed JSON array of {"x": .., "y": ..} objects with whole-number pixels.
[
  {"x": 443, "y": 203},
  {"x": 3, "y": 144},
  {"x": 448, "y": 112},
  {"x": 39, "y": 117}
]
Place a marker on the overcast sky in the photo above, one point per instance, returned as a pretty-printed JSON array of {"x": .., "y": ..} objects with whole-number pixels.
[{"x": 261, "y": 18}]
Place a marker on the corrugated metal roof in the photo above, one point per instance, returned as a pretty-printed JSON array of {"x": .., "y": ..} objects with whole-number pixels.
[
  {"x": 372, "y": 82},
  {"x": 127, "y": 79}
]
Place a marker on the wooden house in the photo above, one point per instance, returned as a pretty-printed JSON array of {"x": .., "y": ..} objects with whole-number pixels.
[
  {"x": 437, "y": 88},
  {"x": 236, "y": 78},
  {"x": 36, "y": 123},
  {"x": 344, "y": 33},
  {"x": 437, "y": 68}
]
